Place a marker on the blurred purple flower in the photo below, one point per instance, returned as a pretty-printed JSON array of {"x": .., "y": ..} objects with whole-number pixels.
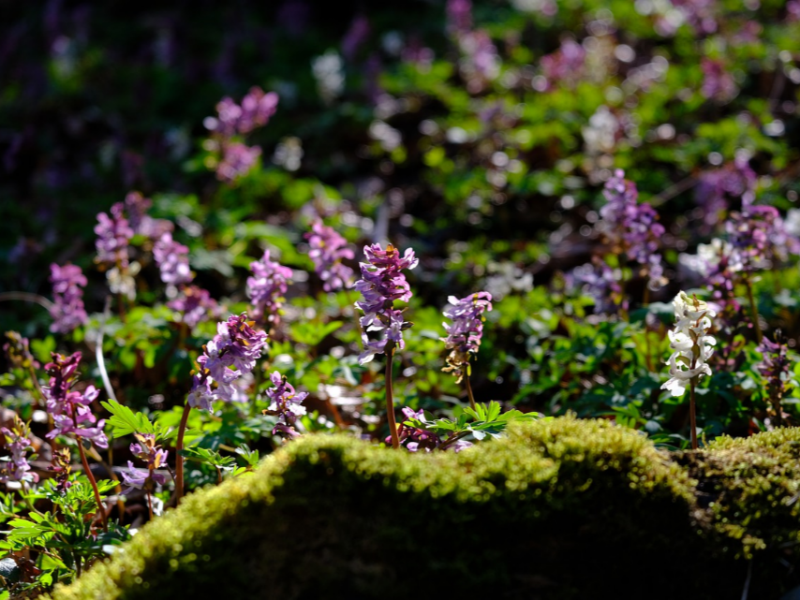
[
  {"x": 113, "y": 234},
  {"x": 328, "y": 249},
  {"x": 356, "y": 35},
  {"x": 759, "y": 236},
  {"x": 735, "y": 180},
  {"x": 195, "y": 304},
  {"x": 776, "y": 369},
  {"x": 631, "y": 226},
  {"x": 17, "y": 442},
  {"x": 565, "y": 64},
  {"x": 382, "y": 283},
  {"x": 68, "y": 311},
  {"x": 465, "y": 332},
  {"x": 286, "y": 404},
  {"x": 140, "y": 222},
  {"x": 255, "y": 111},
  {"x": 266, "y": 288},
  {"x": 597, "y": 280},
  {"x": 71, "y": 410},
  {"x": 699, "y": 14},
  {"x": 237, "y": 160},
  {"x": 137, "y": 478},
  {"x": 718, "y": 83},
  {"x": 172, "y": 259},
  {"x": 459, "y": 16}
]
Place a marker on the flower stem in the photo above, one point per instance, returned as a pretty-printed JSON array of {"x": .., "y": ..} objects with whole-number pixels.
[
  {"x": 93, "y": 483},
  {"x": 753, "y": 309},
  {"x": 469, "y": 391},
  {"x": 692, "y": 415},
  {"x": 389, "y": 396},
  {"x": 178, "y": 456}
]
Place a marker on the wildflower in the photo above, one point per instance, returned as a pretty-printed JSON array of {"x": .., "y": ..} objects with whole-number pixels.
[
  {"x": 759, "y": 236},
  {"x": 464, "y": 334},
  {"x": 632, "y": 227},
  {"x": 415, "y": 438},
  {"x": 195, "y": 304},
  {"x": 266, "y": 288},
  {"x": 68, "y": 311},
  {"x": 286, "y": 404},
  {"x": 173, "y": 260},
  {"x": 146, "y": 449},
  {"x": 62, "y": 466},
  {"x": 113, "y": 234},
  {"x": 237, "y": 160},
  {"x": 18, "y": 352},
  {"x": 140, "y": 222},
  {"x": 227, "y": 357},
  {"x": 564, "y": 65},
  {"x": 255, "y": 111},
  {"x": 775, "y": 368},
  {"x": 328, "y": 249},
  {"x": 718, "y": 83},
  {"x": 382, "y": 283},
  {"x": 716, "y": 188},
  {"x": 599, "y": 281},
  {"x": 71, "y": 410},
  {"x": 18, "y": 443},
  {"x": 691, "y": 343}
]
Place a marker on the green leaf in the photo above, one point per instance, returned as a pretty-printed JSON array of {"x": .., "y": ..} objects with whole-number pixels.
[{"x": 124, "y": 421}]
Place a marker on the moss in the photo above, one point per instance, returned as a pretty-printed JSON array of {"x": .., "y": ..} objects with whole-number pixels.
[{"x": 558, "y": 509}]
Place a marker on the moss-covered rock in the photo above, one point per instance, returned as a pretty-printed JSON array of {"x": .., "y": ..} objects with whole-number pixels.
[{"x": 558, "y": 509}]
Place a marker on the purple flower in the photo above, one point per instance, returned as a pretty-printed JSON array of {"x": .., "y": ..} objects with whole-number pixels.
[
  {"x": 68, "y": 311},
  {"x": 17, "y": 443},
  {"x": 227, "y": 357},
  {"x": 699, "y": 14},
  {"x": 18, "y": 352},
  {"x": 140, "y": 222},
  {"x": 286, "y": 404},
  {"x": 61, "y": 465},
  {"x": 717, "y": 82},
  {"x": 266, "y": 288},
  {"x": 356, "y": 35},
  {"x": 255, "y": 111},
  {"x": 735, "y": 180},
  {"x": 776, "y": 369},
  {"x": 328, "y": 249},
  {"x": 195, "y": 304},
  {"x": 759, "y": 237},
  {"x": 237, "y": 160},
  {"x": 146, "y": 449},
  {"x": 113, "y": 234},
  {"x": 415, "y": 438},
  {"x": 381, "y": 284},
  {"x": 465, "y": 332},
  {"x": 173, "y": 260},
  {"x": 597, "y": 280},
  {"x": 631, "y": 227},
  {"x": 137, "y": 478},
  {"x": 481, "y": 63},
  {"x": 459, "y": 16},
  {"x": 564, "y": 65},
  {"x": 71, "y": 410}
]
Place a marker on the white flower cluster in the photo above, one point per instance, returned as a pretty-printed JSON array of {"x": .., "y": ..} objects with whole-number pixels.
[{"x": 690, "y": 343}]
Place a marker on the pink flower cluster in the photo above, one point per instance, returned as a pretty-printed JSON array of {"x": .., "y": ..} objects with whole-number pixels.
[
  {"x": 381, "y": 284},
  {"x": 71, "y": 410},
  {"x": 286, "y": 404},
  {"x": 328, "y": 249},
  {"x": 68, "y": 311},
  {"x": 113, "y": 234},
  {"x": 266, "y": 288},
  {"x": 147, "y": 450},
  {"x": 195, "y": 304},
  {"x": 227, "y": 357},
  {"x": 18, "y": 444},
  {"x": 565, "y": 64},
  {"x": 466, "y": 330},
  {"x": 172, "y": 259}
]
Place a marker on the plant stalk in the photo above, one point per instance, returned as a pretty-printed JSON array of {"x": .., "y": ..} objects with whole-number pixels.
[
  {"x": 692, "y": 415},
  {"x": 178, "y": 456},
  {"x": 753, "y": 309},
  {"x": 93, "y": 483},
  {"x": 469, "y": 391},
  {"x": 390, "y": 397}
]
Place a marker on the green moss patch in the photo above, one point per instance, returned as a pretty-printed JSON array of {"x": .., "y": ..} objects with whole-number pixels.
[{"x": 559, "y": 509}]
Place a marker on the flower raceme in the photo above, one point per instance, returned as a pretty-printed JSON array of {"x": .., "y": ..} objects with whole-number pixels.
[
  {"x": 68, "y": 311},
  {"x": 173, "y": 260},
  {"x": 146, "y": 449},
  {"x": 328, "y": 249},
  {"x": 382, "y": 282},
  {"x": 465, "y": 333},
  {"x": 227, "y": 357},
  {"x": 17, "y": 442},
  {"x": 690, "y": 342},
  {"x": 266, "y": 288},
  {"x": 286, "y": 404},
  {"x": 71, "y": 410}
]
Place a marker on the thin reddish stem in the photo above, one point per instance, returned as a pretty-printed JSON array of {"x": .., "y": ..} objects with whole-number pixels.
[
  {"x": 390, "y": 397},
  {"x": 178, "y": 457}
]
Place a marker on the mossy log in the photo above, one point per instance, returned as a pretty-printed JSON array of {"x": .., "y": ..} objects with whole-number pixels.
[{"x": 556, "y": 509}]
